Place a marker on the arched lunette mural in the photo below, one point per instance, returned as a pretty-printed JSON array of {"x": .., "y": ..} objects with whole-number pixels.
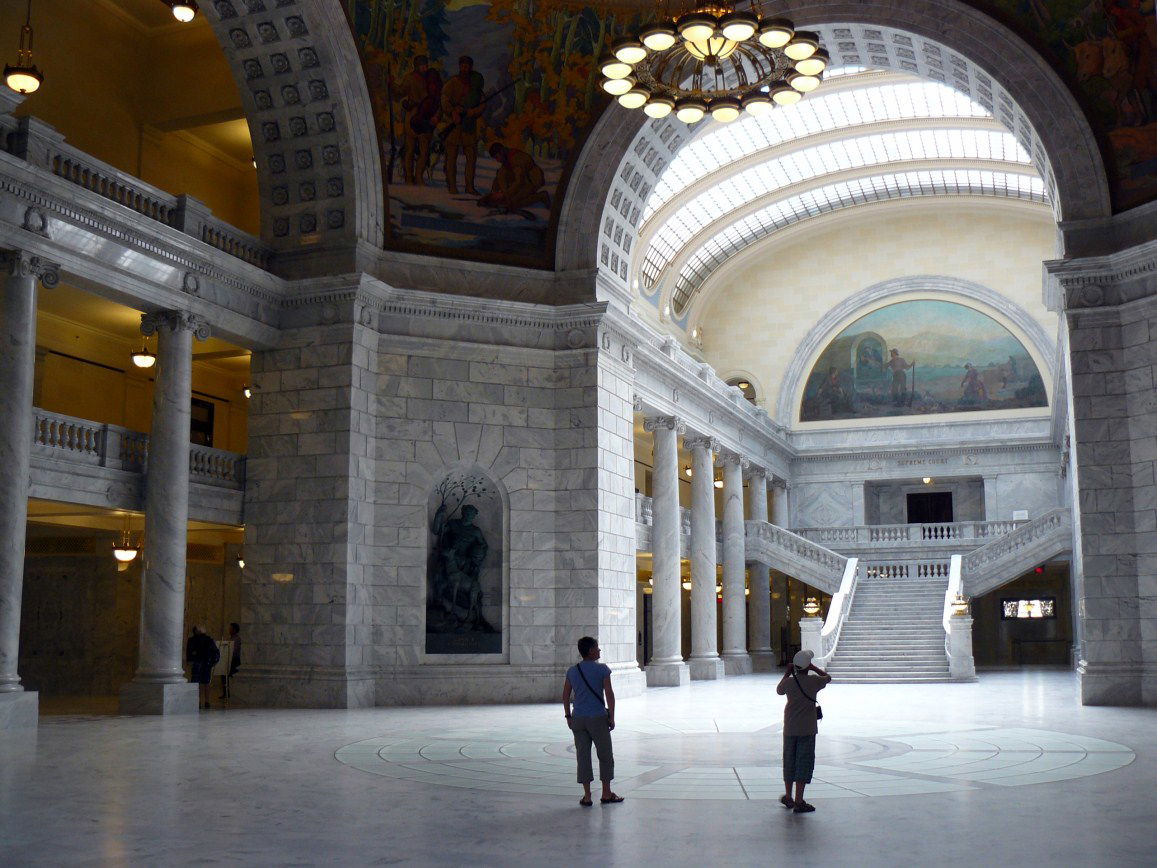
[{"x": 921, "y": 357}]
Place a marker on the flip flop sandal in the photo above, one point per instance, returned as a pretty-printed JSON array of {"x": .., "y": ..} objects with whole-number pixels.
[
  {"x": 786, "y": 802},
  {"x": 613, "y": 800},
  {"x": 586, "y": 803},
  {"x": 804, "y": 808}
]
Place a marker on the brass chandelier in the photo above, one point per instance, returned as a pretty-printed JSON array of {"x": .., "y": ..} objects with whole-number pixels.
[{"x": 713, "y": 59}]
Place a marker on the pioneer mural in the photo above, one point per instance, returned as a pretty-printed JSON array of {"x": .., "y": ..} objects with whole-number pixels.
[
  {"x": 920, "y": 357},
  {"x": 481, "y": 108}
]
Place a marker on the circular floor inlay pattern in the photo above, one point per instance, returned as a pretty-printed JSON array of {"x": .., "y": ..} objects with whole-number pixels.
[{"x": 740, "y": 759}]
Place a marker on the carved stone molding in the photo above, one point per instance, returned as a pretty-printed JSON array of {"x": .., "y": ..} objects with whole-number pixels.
[
  {"x": 20, "y": 263},
  {"x": 708, "y": 443},
  {"x": 728, "y": 457},
  {"x": 670, "y": 423},
  {"x": 174, "y": 320},
  {"x": 1104, "y": 281}
]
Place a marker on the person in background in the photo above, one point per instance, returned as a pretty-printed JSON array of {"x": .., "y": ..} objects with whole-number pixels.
[
  {"x": 234, "y": 658},
  {"x": 592, "y": 720},
  {"x": 202, "y": 655},
  {"x": 800, "y": 684}
]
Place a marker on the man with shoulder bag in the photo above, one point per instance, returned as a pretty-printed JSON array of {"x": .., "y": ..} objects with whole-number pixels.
[{"x": 800, "y": 684}]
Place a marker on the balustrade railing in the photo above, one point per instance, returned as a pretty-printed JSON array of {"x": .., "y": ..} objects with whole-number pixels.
[
  {"x": 906, "y": 570},
  {"x": 838, "y": 610},
  {"x": 74, "y": 440},
  {"x": 969, "y": 532},
  {"x": 1022, "y": 536}
]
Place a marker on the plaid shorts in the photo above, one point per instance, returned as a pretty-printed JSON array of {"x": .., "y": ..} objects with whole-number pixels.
[{"x": 799, "y": 757}]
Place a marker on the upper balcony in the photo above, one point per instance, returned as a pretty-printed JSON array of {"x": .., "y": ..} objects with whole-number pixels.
[{"x": 78, "y": 461}]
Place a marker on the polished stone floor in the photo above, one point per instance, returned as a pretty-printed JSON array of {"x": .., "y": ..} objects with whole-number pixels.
[{"x": 1009, "y": 771}]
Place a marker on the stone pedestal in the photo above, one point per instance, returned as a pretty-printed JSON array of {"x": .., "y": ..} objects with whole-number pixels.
[
  {"x": 810, "y": 638},
  {"x": 166, "y": 522},
  {"x": 666, "y": 667},
  {"x": 704, "y": 662},
  {"x": 19, "y": 709},
  {"x": 158, "y": 698},
  {"x": 961, "y": 666},
  {"x": 735, "y": 656},
  {"x": 17, "y": 364}
]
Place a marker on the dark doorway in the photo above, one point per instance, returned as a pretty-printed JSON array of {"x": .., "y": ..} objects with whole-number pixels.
[{"x": 935, "y": 507}]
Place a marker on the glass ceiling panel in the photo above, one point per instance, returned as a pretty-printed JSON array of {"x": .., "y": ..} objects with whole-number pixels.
[
  {"x": 831, "y": 197},
  {"x": 818, "y": 113},
  {"x": 735, "y": 192}
]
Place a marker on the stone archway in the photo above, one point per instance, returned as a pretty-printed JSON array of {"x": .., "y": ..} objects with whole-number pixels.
[
  {"x": 1048, "y": 107},
  {"x": 301, "y": 83}
]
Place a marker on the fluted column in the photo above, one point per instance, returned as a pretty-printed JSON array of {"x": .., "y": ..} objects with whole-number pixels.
[
  {"x": 17, "y": 371},
  {"x": 735, "y": 657},
  {"x": 705, "y": 662},
  {"x": 159, "y": 685},
  {"x": 759, "y": 580},
  {"x": 666, "y": 667}
]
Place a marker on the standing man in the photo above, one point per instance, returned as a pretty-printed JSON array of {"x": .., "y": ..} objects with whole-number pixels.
[
  {"x": 898, "y": 365},
  {"x": 592, "y": 720},
  {"x": 421, "y": 95},
  {"x": 202, "y": 654},
  {"x": 800, "y": 684},
  {"x": 462, "y": 107}
]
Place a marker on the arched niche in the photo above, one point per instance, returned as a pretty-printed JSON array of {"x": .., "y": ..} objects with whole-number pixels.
[{"x": 467, "y": 567}]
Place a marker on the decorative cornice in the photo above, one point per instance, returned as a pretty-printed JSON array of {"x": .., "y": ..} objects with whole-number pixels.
[
  {"x": 1104, "y": 281},
  {"x": 20, "y": 263},
  {"x": 929, "y": 454},
  {"x": 175, "y": 320}
]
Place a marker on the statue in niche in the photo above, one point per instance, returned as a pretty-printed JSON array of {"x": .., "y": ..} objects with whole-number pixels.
[{"x": 464, "y": 587}]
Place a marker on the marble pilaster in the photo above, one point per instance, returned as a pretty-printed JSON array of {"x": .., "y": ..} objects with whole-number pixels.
[
  {"x": 705, "y": 662},
  {"x": 17, "y": 370},
  {"x": 159, "y": 686},
  {"x": 759, "y": 580},
  {"x": 735, "y": 657},
  {"x": 858, "y": 504},
  {"x": 666, "y": 667}
]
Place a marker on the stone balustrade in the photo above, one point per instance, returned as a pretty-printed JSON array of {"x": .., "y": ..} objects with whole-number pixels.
[
  {"x": 993, "y": 564},
  {"x": 80, "y": 441},
  {"x": 921, "y": 569},
  {"x": 967, "y": 533}
]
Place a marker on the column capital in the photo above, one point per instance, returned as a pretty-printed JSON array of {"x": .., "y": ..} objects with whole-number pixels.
[
  {"x": 671, "y": 423},
  {"x": 698, "y": 442},
  {"x": 21, "y": 263},
  {"x": 729, "y": 457},
  {"x": 758, "y": 472},
  {"x": 175, "y": 320}
]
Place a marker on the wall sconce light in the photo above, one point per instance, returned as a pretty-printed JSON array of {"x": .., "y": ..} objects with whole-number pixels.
[
  {"x": 24, "y": 77},
  {"x": 960, "y": 606},
  {"x": 927, "y": 480},
  {"x": 247, "y": 391},
  {"x": 811, "y": 607},
  {"x": 144, "y": 358},
  {"x": 686, "y": 586},
  {"x": 183, "y": 10}
]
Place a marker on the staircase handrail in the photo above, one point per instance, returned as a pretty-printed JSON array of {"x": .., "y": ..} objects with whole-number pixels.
[
  {"x": 799, "y": 545},
  {"x": 976, "y": 562},
  {"x": 955, "y": 586},
  {"x": 838, "y": 611}
]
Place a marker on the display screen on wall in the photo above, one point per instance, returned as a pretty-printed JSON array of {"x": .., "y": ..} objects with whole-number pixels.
[
  {"x": 920, "y": 357},
  {"x": 1016, "y": 610}
]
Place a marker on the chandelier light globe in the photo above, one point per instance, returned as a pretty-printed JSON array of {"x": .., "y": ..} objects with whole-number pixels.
[
  {"x": 725, "y": 110},
  {"x": 658, "y": 107},
  {"x": 612, "y": 67},
  {"x": 23, "y": 79},
  {"x": 803, "y": 83},
  {"x": 184, "y": 10},
  {"x": 690, "y": 111},
  {"x": 124, "y": 554},
  {"x": 757, "y": 105},
  {"x": 618, "y": 86},
  {"x": 803, "y": 45},
  {"x": 635, "y": 98},
  {"x": 738, "y": 26},
  {"x": 705, "y": 57},
  {"x": 629, "y": 50},
  {"x": 814, "y": 65},
  {"x": 658, "y": 37},
  {"x": 143, "y": 358},
  {"x": 775, "y": 32}
]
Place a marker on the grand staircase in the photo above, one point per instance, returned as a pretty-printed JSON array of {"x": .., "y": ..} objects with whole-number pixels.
[{"x": 894, "y": 630}]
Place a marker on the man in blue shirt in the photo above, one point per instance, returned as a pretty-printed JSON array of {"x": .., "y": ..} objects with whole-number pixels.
[{"x": 592, "y": 720}]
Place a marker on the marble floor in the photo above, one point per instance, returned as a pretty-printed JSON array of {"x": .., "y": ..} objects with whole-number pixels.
[{"x": 1009, "y": 771}]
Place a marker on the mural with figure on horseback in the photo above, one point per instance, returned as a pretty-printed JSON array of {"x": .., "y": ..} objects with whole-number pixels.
[{"x": 920, "y": 357}]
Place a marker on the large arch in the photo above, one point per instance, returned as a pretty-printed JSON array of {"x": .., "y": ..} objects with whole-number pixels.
[
  {"x": 301, "y": 83},
  {"x": 975, "y": 47}
]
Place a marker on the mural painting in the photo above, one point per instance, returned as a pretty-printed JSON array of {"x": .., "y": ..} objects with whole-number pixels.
[
  {"x": 919, "y": 357},
  {"x": 464, "y": 569},
  {"x": 481, "y": 109},
  {"x": 1108, "y": 48}
]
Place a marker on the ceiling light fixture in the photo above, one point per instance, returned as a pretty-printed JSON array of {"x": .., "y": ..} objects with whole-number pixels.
[
  {"x": 124, "y": 550},
  {"x": 24, "y": 77},
  {"x": 144, "y": 358},
  {"x": 704, "y": 57},
  {"x": 183, "y": 10}
]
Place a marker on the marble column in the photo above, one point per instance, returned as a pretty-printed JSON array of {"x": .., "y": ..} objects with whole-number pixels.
[
  {"x": 159, "y": 686},
  {"x": 736, "y": 660},
  {"x": 666, "y": 667},
  {"x": 18, "y": 708},
  {"x": 705, "y": 662},
  {"x": 759, "y": 580},
  {"x": 780, "y": 513}
]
